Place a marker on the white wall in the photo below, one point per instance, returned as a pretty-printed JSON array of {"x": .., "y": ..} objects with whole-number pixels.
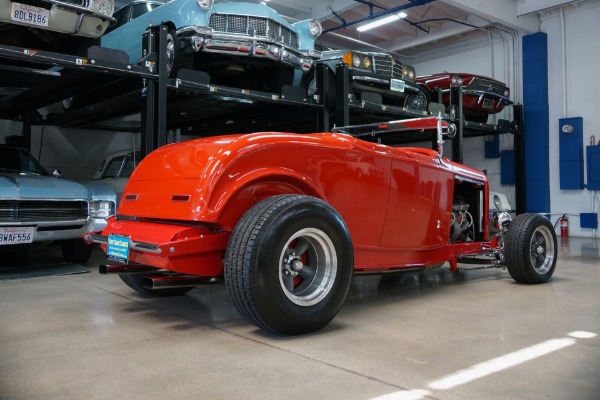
[
  {"x": 582, "y": 39},
  {"x": 582, "y": 91}
]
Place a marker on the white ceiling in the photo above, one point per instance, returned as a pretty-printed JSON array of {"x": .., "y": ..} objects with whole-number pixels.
[{"x": 435, "y": 23}]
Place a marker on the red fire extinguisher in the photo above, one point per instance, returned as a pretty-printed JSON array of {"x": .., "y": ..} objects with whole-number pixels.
[{"x": 564, "y": 226}]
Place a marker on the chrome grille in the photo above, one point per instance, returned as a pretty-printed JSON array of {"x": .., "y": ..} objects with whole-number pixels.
[
  {"x": 384, "y": 65},
  {"x": 486, "y": 85},
  {"x": 253, "y": 26},
  {"x": 42, "y": 210},
  {"x": 83, "y": 3}
]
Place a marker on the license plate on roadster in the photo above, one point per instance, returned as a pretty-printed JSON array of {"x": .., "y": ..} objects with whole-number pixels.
[
  {"x": 29, "y": 14},
  {"x": 117, "y": 248},
  {"x": 16, "y": 235}
]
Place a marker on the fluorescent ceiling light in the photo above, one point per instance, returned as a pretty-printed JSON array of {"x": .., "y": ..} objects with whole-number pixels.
[{"x": 382, "y": 21}]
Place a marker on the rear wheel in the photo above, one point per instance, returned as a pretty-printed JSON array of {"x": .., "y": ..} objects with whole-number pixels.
[
  {"x": 530, "y": 249},
  {"x": 288, "y": 264},
  {"x": 135, "y": 282}
]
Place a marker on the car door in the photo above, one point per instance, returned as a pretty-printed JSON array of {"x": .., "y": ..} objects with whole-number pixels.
[{"x": 419, "y": 201}]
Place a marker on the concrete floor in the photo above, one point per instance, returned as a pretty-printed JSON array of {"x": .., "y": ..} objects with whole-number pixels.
[{"x": 475, "y": 335}]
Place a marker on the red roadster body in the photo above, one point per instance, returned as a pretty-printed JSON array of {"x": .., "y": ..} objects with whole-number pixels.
[{"x": 286, "y": 219}]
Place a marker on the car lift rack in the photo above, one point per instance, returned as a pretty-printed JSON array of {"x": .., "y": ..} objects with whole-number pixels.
[{"x": 115, "y": 92}]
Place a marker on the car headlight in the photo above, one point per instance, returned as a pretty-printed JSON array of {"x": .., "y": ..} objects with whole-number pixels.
[
  {"x": 101, "y": 209},
  {"x": 366, "y": 62},
  {"x": 497, "y": 201},
  {"x": 205, "y": 4},
  {"x": 102, "y": 6},
  {"x": 456, "y": 81},
  {"x": 355, "y": 60},
  {"x": 506, "y": 92},
  {"x": 315, "y": 28},
  {"x": 408, "y": 72},
  {"x": 499, "y": 220}
]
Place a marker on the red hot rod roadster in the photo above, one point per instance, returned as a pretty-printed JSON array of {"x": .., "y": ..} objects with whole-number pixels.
[{"x": 286, "y": 219}]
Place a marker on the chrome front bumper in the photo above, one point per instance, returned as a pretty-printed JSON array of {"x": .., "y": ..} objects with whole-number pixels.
[
  {"x": 202, "y": 39},
  {"x": 66, "y": 18}
]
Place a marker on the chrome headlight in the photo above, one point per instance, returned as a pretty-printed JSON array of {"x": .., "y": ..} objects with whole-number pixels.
[
  {"x": 408, "y": 72},
  {"x": 366, "y": 62},
  {"x": 102, "y": 6},
  {"x": 355, "y": 60},
  {"x": 315, "y": 28},
  {"x": 205, "y": 4},
  {"x": 457, "y": 80},
  {"x": 497, "y": 201},
  {"x": 499, "y": 220},
  {"x": 101, "y": 209}
]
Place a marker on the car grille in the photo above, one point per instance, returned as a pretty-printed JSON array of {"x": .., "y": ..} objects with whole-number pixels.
[
  {"x": 42, "y": 210},
  {"x": 384, "y": 65},
  {"x": 253, "y": 26},
  {"x": 47, "y": 5},
  {"x": 486, "y": 85},
  {"x": 83, "y": 3}
]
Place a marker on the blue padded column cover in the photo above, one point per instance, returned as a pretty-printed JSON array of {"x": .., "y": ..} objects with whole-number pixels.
[{"x": 536, "y": 126}]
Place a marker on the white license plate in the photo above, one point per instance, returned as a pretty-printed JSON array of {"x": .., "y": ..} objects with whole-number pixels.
[
  {"x": 29, "y": 14},
  {"x": 397, "y": 85},
  {"x": 16, "y": 235},
  {"x": 488, "y": 103},
  {"x": 117, "y": 248}
]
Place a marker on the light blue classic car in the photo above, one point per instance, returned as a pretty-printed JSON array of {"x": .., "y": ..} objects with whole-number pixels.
[
  {"x": 37, "y": 207},
  {"x": 242, "y": 45}
]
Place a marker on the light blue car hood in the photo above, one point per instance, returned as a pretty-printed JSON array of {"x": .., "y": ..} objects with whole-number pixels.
[{"x": 29, "y": 186}]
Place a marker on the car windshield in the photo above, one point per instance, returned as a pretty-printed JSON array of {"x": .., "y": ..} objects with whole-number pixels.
[
  {"x": 120, "y": 166},
  {"x": 13, "y": 159}
]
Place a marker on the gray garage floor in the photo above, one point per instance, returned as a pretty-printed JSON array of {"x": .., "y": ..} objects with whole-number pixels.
[{"x": 475, "y": 335}]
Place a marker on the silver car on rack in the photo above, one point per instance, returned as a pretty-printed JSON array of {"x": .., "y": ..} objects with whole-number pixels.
[
  {"x": 37, "y": 207},
  {"x": 69, "y": 26}
]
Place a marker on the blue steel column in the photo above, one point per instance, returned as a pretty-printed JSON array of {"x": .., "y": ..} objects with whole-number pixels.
[{"x": 536, "y": 141}]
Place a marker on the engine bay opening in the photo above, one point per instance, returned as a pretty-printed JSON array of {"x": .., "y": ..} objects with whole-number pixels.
[{"x": 467, "y": 222}]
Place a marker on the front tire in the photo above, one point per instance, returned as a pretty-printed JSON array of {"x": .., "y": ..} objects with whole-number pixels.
[
  {"x": 418, "y": 101},
  {"x": 76, "y": 251},
  {"x": 530, "y": 249},
  {"x": 288, "y": 264}
]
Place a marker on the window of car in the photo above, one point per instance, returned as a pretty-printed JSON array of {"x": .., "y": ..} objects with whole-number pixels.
[
  {"x": 130, "y": 163},
  {"x": 140, "y": 9},
  {"x": 18, "y": 160},
  {"x": 114, "y": 167}
]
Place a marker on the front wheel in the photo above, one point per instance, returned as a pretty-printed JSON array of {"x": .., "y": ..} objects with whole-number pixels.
[
  {"x": 530, "y": 249},
  {"x": 417, "y": 101},
  {"x": 288, "y": 264},
  {"x": 76, "y": 251},
  {"x": 175, "y": 59}
]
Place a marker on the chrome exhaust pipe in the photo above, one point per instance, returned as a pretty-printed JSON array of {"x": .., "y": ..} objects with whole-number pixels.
[
  {"x": 175, "y": 281},
  {"x": 126, "y": 269}
]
